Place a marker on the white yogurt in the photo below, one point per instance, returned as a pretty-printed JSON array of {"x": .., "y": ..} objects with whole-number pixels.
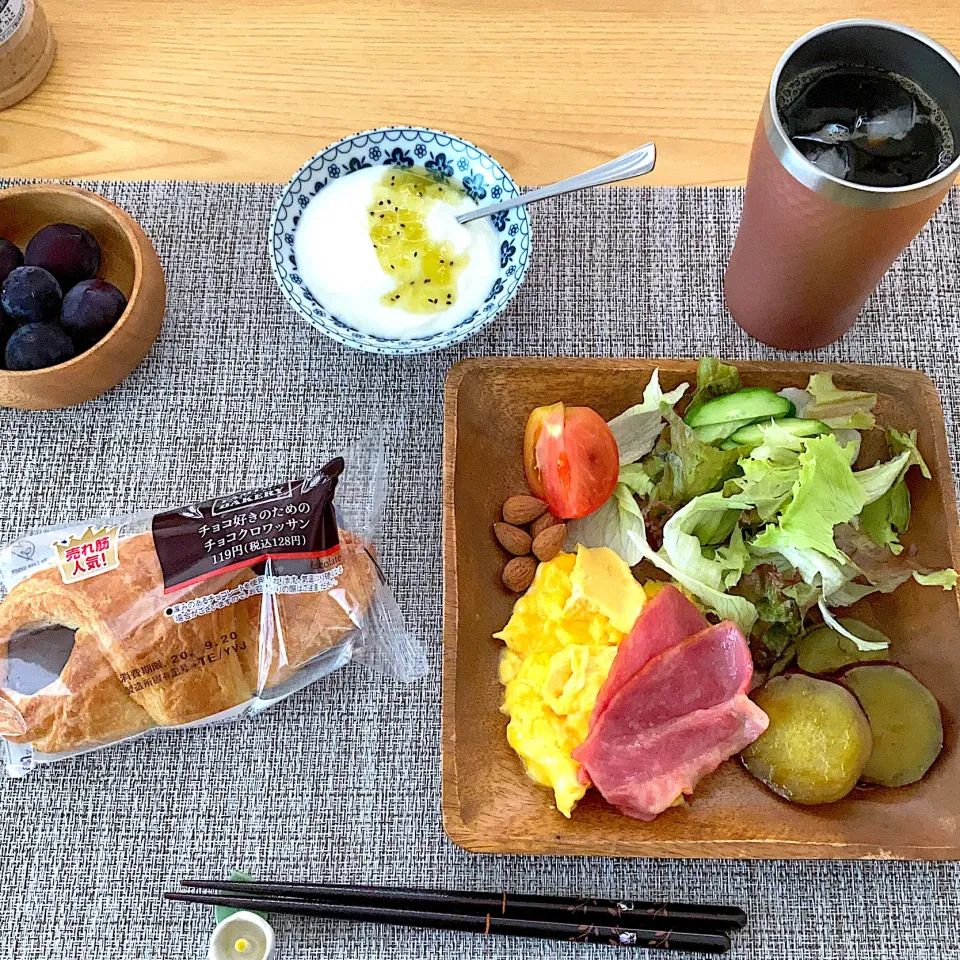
[{"x": 338, "y": 264}]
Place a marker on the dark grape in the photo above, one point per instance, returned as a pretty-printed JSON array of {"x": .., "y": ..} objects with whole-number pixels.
[
  {"x": 90, "y": 310},
  {"x": 10, "y": 258},
  {"x": 31, "y": 295},
  {"x": 7, "y": 326},
  {"x": 69, "y": 252},
  {"x": 38, "y": 345}
]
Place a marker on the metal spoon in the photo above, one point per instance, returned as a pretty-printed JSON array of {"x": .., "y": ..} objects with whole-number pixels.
[{"x": 633, "y": 164}]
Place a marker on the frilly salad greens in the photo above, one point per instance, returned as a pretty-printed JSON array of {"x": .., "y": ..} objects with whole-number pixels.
[{"x": 752, "y": 504}]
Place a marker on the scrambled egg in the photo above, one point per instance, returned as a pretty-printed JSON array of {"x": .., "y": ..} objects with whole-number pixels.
[{"x": 561, "y": 640}]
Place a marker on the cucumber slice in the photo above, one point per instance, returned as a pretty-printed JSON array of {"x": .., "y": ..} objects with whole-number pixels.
[
  {"x": 753, "y": 432},
  {"x": 755, "y": 403},
  {"x": 719, "y": 431}
]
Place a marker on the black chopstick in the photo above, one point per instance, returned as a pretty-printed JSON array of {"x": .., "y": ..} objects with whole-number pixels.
[
  {"x": 706, "y": 941},
  {"x": 679, "y": 916}
]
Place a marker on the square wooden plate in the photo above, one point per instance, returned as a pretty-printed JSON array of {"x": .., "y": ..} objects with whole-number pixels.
[{"x": 489, "y": 805}]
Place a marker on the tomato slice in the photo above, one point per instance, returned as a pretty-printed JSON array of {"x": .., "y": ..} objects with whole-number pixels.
[
  {"x": 551, "y": 419},
  {"x": 571, "y": 459}
]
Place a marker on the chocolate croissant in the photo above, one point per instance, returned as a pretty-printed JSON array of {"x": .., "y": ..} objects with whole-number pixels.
[{"x": 95, "y": 661}]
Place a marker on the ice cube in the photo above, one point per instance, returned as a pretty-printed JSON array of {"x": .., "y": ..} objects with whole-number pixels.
[
  {"x": 832, "y": 158},
  {"x": 828, "y": 133},
  {"x": 893, "y": 124}
]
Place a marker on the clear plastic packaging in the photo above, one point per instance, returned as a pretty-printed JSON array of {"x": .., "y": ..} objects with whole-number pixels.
[{"x": 200, "y": 614}]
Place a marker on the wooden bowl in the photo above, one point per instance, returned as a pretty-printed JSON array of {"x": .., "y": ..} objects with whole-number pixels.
[
  {"x": 128, "y": 262},
  {"x": 26, "y": 53}
]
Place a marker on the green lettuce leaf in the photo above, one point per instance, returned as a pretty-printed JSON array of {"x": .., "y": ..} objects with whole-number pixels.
[
  {"x": 609, "y": 526},
  {"x": 768, "y": 487},
  {"x": 877, "y": 480},
  {"x": 684, "y": 550},
  {"x": 850, "y": 441},
  {"x": 636, "y": 430},
  {"x": 771, "y": 471},
  {"x": 625, "y": 499},
  {"x": 726, "y": 606},
  {"x": 841, "y": 409},
  {"x": 778, "y": 446},
  {"x": 871, "y": 568},
  {"x": 833, "y": 623},
  {"x": 854, "y": 591},
  {"x": 685, "y": 467},
  {"x": 907, "y": 443},
  {"x": 823, "y": 573},
  {"x": 887, "y": 517},
  {"x": 636, "y": 479},
  {"x": 802, "y": 594},
  {"x": 716, "y": 528},
  {"x": 800, "y": 399},
  {"x": 938, "y": 578},
  {"x": 734, "y": 555},
  {"x": 714, "y": 379},
  {"x": 887, "y": 513},
  {"x": 826, "y": 493}
]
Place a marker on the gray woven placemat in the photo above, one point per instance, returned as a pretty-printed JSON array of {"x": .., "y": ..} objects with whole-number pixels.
[{"x": 343, "y": 780}]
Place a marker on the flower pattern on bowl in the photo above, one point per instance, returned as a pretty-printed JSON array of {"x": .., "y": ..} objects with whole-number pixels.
[
  {"x": 439, "y": 167},
  {"x": 473, "y": 185},
  {"x": 447, "y": 158},
  {"x": 398, "y": 157}
]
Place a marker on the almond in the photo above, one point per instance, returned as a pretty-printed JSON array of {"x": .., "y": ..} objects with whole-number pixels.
[
  {"x": 541, "y": 524},
  {"x": 513, "y": 539},
  {"x": 518, "y": 574},
  {"x": 549, "y": 542},
  {"x": 521, "y": 510}
]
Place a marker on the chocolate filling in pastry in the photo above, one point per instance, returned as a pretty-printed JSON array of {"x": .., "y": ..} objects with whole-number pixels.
[{"x": 36, "y": 656}]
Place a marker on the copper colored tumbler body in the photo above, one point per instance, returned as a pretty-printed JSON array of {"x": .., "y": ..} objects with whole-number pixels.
[{"x": 811, "y": 248}]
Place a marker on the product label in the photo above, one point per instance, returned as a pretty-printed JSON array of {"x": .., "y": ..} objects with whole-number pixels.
[
  {"x": 291, "y": 524},
  {"x": 89, "y": 555},
  {"x": 11, "y": 16}
]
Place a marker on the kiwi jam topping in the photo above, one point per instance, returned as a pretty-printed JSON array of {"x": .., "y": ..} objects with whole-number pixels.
[{"x": 425, "y": 270}]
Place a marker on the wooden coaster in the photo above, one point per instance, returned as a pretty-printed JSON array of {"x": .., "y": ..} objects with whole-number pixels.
[{"x": 27, "y": 49}]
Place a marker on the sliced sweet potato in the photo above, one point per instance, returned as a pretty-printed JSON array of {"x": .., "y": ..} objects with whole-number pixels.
[
  {"x": 905, "y": 721},
  {"x": 823, "y": 650},
  {"x": 818, "y": 741}
]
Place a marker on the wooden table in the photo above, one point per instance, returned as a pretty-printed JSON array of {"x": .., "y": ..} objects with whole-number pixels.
[{"x": 248, "y": 89}]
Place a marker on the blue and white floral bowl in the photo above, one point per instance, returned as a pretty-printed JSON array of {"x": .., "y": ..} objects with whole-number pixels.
[{"x": 445, "y": 157}]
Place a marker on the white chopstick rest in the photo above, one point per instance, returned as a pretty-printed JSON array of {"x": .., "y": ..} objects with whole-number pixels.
[{"x": 242, "y": 936}]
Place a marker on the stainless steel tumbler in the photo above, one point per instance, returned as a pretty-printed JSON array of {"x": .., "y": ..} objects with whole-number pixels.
[{"x": 811, "y": 247}]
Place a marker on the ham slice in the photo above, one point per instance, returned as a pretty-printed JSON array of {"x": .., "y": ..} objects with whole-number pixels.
[
  {"x": 664, "y": 621},
  {"x": 673, "y": 722}
]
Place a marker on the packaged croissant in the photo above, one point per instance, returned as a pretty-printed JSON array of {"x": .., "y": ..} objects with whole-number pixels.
[{"x": 203, "y": 613}]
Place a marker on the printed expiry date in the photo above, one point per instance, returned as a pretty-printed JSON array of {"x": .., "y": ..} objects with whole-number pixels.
[{"x": 181, "y": 663}]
